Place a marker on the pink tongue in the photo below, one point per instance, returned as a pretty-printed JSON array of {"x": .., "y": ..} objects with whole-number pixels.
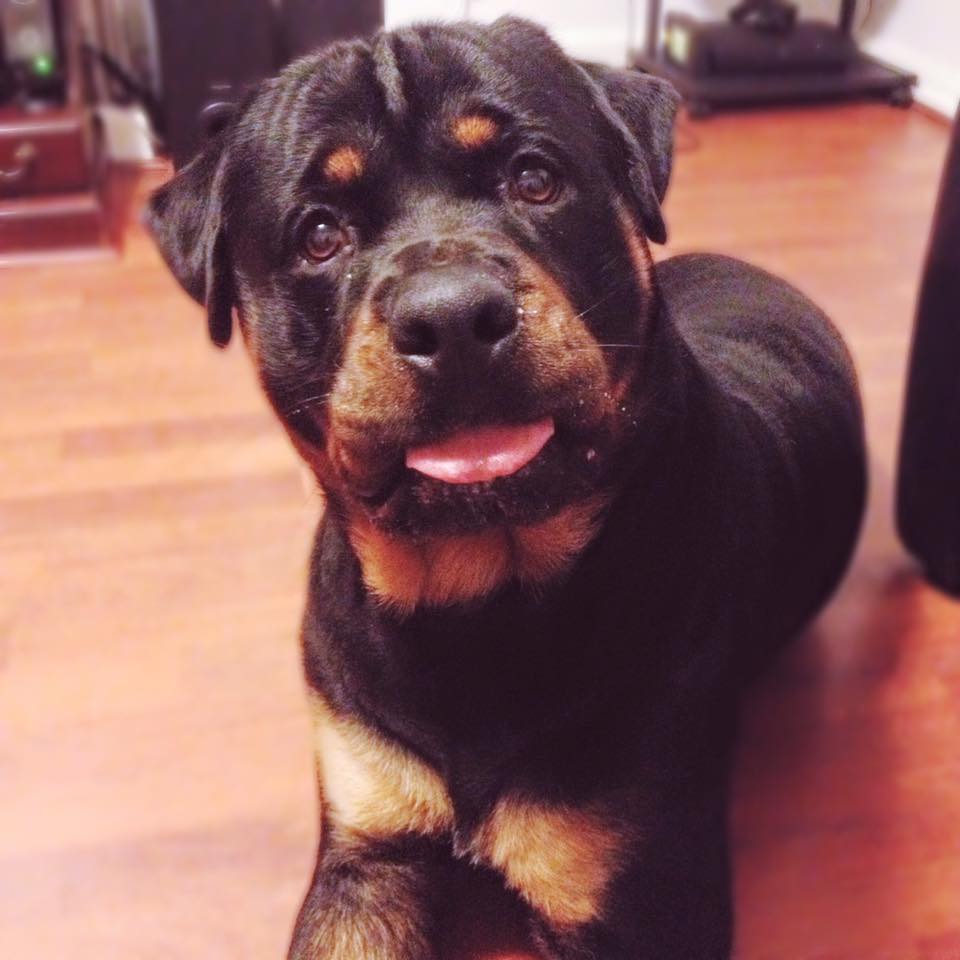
[{"x": 474, "y": 456}]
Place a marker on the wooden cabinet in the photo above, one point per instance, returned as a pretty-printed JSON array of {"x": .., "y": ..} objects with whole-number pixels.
[{"x": 42, "y": 153}]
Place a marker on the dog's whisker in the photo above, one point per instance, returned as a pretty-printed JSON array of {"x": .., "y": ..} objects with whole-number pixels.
[
  {"x": 617, "y": 288},
  {"x": 305, "y": 404}
]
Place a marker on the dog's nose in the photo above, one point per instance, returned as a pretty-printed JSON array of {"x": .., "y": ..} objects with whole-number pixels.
[{"x": 452, "y": 317}]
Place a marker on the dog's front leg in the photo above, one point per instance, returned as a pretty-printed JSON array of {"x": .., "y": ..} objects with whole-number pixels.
[
  {"x": 385, "y": 815},
  {"x": 677, "y": 909},
  {"x": 617, "y": 880},
  {"x": 368, "y": 900}
]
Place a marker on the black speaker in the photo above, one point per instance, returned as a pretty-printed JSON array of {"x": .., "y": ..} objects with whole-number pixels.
[
  {"x": 308, "y": 24},
  {"x": 928, "y": 490},
  {"x": 210, "y": 52}
]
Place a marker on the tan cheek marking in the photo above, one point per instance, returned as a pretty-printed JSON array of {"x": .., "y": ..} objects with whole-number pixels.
[
  {"x": 372, "y": 377},
  {"x": 558, "y": 351},
  {"x": 546, "y": 549},
  {"x": 474, "y": 131},
  {"x": 559, "y": 859},
  {"x": 394, "y": 569},
  {"x": 344, "y": 165},
  {"x": 371, "y": 786}
]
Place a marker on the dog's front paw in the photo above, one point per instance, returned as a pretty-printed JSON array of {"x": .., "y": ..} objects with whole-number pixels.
[{"x": 365, "y": 909}]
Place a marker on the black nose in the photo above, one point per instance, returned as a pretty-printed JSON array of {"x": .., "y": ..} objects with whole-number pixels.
[{"x": 454, "y": 317}]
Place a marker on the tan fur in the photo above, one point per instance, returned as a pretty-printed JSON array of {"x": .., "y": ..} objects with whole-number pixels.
[
  {"x": 377, "y": 912},
  {"x": 371, "y": 787},
  {"x": 435, "y": 572},
  {"x": 544, "y": 550},
  {"x": 344, "y": 165},
  {"x": 559, "y": 859},
  {"x": 373, "y": 378},
  {"x": 638, "y": 248},
  {"x": 558, "y": 354},
  {"x": 474, "y": 131},
  {"x": 380, "y": 930}
]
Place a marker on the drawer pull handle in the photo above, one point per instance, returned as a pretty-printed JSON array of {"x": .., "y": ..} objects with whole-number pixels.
[{"x": 25, "y": 155}]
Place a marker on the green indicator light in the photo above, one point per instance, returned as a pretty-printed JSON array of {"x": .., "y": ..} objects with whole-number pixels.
[{"x": 43, "y": 65}]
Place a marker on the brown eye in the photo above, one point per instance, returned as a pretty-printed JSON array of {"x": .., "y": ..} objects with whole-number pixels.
[
  {"x": 535, "y": 184},
  {"x": 324, "y": 240}
]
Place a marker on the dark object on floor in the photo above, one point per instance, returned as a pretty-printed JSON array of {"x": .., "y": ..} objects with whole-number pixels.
[
  {"x": 928, "y": 495},
  {"x": 212, "y": 52},
  {"x": 762, "y": 55}
]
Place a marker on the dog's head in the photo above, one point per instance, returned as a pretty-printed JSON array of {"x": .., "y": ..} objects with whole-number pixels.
[{"x": 435, "y": 243}]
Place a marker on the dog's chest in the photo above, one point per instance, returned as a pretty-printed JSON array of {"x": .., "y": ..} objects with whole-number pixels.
[{"x": 558, "y": 857}]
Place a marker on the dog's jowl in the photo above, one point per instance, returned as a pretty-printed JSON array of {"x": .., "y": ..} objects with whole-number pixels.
[{"x": 574, "y": 501}]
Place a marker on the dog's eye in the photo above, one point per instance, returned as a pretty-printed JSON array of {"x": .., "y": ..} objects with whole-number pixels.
[
  {"x": 324, "y": 239},
  {"x": 535, "y": 184}
]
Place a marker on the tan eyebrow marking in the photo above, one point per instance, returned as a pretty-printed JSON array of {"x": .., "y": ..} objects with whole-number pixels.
[
  {"x": 473, "y": 130},
  {"x": 344, "y": 165}
]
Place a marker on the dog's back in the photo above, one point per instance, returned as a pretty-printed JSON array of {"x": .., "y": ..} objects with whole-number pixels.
[{"x": 794, "y": 414}]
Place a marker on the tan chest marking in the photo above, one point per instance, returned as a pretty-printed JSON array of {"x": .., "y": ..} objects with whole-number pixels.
[
  {"x": 435, "y": 572},
  {"x": 371, "y": 786},
  {"x": 559, "y": 859}
]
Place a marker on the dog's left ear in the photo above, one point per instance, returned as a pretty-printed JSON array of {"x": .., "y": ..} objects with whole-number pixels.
[
  {"x": 641, "y": 110},
  {"x": 186, "y": 219}
]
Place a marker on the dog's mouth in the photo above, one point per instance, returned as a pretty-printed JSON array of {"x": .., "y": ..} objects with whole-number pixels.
[
  {"x": 477, "y": 476},
  {"x": 481, "y": 454}
]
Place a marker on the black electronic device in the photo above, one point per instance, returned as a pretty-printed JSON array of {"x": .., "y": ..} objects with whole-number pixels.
[
  {"x": 32, "y": 51},
  {"x": 766, "y": 53},
  {"x": 211, "y": 52},
  {"x": 308, "y": 24}
]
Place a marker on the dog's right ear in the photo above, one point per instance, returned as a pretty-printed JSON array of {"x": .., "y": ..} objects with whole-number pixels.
[{"x": 185, "y": 217}]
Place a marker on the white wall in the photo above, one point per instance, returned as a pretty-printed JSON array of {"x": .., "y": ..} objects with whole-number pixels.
[
  {"x": 922, "y": 36},
  {"x": 398, "y": 12},
  {"x": 593, "y": 30}
]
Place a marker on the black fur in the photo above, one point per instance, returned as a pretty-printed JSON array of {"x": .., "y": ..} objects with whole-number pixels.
[{"x": 737, "y": 483}]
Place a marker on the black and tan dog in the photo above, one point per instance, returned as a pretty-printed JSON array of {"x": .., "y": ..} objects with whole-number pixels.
[{"x": 574, "y": 500}]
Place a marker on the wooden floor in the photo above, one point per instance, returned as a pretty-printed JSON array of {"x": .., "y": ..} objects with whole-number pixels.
[{"x": 156, "y": 794}]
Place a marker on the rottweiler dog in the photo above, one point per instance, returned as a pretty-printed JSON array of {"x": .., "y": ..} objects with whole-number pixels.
[{"x": 574, "y": 500}]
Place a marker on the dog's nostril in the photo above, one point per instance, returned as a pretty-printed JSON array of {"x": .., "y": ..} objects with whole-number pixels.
[
  {"x": 492, "y": 323},
  {"x": 417, "y": 338}
]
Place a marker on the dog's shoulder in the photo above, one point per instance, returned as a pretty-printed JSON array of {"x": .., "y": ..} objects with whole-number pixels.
[{"x": 756, "y": 335}]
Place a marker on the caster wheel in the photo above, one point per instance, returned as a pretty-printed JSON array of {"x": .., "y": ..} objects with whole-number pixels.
[{"x": 901, "y": 97}]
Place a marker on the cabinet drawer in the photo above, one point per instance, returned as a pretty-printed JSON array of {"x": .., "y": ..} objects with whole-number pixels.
[{"x": 42, "y": 156}]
